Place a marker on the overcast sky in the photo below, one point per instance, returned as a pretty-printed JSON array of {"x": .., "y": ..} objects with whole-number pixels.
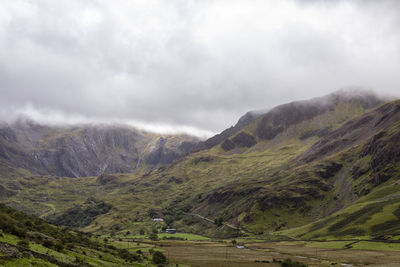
[{"x": 193, "y": 66}]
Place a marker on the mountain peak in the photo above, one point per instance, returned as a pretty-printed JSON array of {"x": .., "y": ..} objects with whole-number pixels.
[{"x": 281, "y": 117}]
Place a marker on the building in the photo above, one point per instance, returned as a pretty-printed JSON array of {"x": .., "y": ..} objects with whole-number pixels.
[
  {"x": 170, "y": 231},
  {"x": 157, "y": 220}
]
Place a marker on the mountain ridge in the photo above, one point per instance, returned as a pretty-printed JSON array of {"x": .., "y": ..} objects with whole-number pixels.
[{"x": 86, "y": 150}]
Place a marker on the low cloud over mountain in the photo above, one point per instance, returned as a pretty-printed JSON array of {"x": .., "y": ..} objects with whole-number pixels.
[{"x": 189, "y": 66}]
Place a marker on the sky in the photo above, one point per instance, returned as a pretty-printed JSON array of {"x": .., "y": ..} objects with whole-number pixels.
[{"x": 188, "y": 66}]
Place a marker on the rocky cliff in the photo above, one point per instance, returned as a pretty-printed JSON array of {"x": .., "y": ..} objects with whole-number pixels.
[{"x": 86, "y": 150}]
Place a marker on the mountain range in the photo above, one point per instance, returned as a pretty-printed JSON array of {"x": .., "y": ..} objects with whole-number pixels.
[{"x": 319, "y": 168}]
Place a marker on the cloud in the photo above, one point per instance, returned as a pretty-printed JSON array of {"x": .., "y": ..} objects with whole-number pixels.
[{"x": 189, "y": 65}]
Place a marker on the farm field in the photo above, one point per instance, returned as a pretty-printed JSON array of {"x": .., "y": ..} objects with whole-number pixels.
[{"x": 262, "y": 253}]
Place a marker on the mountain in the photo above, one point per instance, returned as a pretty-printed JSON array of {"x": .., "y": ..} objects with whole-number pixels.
[
  {"x": 319, "y": 168},
  {"x": 86, "y": 150}
]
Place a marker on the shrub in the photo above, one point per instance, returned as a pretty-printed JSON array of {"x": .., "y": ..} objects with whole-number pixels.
[
  {"x": 58, "y": 246},
  {"x": 48, "y": 243},
  {"x": 23, "y": 244},
  {"x": 153, "y": 236},
  {"x": 290, "y": 263},
  {"x": 126, "y": 255},
  {"x": 159, "y": 257},
  {"x": 218, "y": 221}
]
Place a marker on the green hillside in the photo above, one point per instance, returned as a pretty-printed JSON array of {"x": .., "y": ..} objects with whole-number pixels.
[{"x": 30, "y": 241}]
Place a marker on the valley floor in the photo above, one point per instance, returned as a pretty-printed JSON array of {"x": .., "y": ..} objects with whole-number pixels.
[{"x": 222, "y": 253}]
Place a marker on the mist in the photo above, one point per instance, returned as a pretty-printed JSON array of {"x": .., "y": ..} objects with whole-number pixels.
[{"x": 188, "y": 66}]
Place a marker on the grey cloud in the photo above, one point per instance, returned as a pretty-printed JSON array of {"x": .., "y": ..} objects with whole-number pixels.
[{"x": 194, "y": 64}]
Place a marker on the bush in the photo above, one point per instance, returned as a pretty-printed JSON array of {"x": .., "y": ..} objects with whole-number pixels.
[
  {"x": 23, "y": 244},
  {"x": 290, "y": 263},
  {"x": 126, "y": 255},
  {"x": 59, "y": 246},
  {"x": 218, "y": 221},
  {"x": 48, "y": 243},
  {"x": 153, "y": 236},
  {"x": 159, "y": 257}
]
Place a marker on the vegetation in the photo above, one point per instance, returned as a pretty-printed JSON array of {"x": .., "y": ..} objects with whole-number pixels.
[
  {"x": 218, "y": 221},
  {"x": 27, "y": 236},
  {"x": 290, "y": 263},
  {"x": 159, "y": 257},
  {"x": 80, "y": 216}
]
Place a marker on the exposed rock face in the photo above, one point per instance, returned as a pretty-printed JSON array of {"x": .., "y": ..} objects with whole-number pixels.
[
  {"x": 242, "y": 139},
  {"x": 245, "y": 120},
  {"x": 88, "y": 150},
  {"x": 159, "y": 151}
]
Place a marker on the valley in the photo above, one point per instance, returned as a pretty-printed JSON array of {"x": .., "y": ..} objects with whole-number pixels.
[{"x": 315, "y": 181}]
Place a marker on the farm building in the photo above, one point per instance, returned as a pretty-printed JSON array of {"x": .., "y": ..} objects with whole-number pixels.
[{"x": 170, "y": 231}]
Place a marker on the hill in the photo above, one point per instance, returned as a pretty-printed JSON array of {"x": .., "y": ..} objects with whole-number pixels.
[{"x": 30, "y": 241}]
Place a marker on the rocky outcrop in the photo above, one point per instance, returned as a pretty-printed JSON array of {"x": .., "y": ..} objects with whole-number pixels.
[
  {"x": 242, "y": 139},
  {"x": 245, "y": 120}
]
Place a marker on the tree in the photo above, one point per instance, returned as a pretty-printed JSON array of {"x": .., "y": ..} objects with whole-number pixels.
[
  {"x": 152, "y": 213},
  {"x": 159, "y": 257},
  {"x": 169, "y": 220},
  {"x": 218, "y": 221},
  {"x": 234, "y": 242},
  {"x": 153, "y": 236}
]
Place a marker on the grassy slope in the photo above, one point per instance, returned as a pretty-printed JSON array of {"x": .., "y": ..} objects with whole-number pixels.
[{"x": 48, "y": 245}]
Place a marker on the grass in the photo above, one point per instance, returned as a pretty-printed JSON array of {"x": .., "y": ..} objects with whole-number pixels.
[
  {"x": 362, "y": 245},
  {"x": 27, "y": 262},
  {"x": 8, "y": 238},
  {"x": 186, "y": 236},
  {"x": 43, "y": 250}
]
